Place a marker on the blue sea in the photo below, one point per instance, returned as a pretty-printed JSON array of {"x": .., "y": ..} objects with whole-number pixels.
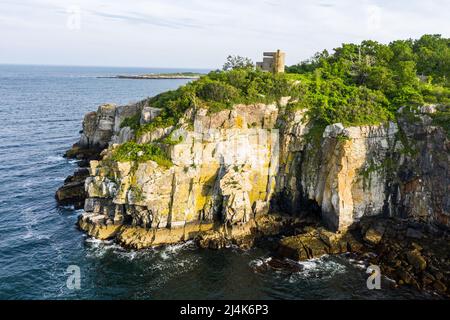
[{"x": 41, "y": 109}]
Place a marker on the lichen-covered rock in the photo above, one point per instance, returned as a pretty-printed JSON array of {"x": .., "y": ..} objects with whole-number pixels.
[
  {"x": 222, "y": 175},
  {"x": 251, "y": 160},
  {"x": 98, "y": 127},
  {"x": 234, "y": 188},
  {"x": 317, "y": 242},
  {"x": 374, "y": 235},
  {"x": 415, "y": 258},
  {"x": 422, "y": 178}
]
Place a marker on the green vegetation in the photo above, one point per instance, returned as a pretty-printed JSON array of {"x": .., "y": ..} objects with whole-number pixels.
[
  {"x": 132, "y": 151},
  {"x": 138, "y": 193},
  {"x": 171, "y": 140},
  {"x": 237, "y": 62},
  {"x": 133, "y": 122},
  {"x": 367, "y": 83},
  {"x": 442, "y": 118},
  {"x": 217, "y": 91},
  {"x": 365, "y": 173},
  {"x": 358, "y": 84}
]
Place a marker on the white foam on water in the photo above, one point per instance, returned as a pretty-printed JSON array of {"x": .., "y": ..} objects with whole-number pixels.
[
  {"x": 258, "y": 262},
  {"x": 98, "y": 241},
  {"x": 32, "y": 220},
  {"x": 54, "y": 159},
  {"x": 175, "y": 248},
  {"x": 320, "y": 268},
  {"x": 98, "y": 248},
  {"x": 164, "y": 255}
]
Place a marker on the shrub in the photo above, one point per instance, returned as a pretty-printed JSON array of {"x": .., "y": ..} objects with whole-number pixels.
[
  {"x": 217, "y": 91},
  {"x": 132, "y": 151},
  {"x": 442, "y": 118},
  {"x": 133, "y": 122},
  {"x": 396, "y": 70}
]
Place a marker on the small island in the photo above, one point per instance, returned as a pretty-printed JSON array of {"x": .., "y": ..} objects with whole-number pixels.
[{"x": 176, "y": 75}]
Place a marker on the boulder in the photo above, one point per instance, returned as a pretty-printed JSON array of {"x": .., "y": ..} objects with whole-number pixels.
[
  {"x": 148, "y": 114},
  {"x": 333, "y": 130},
  {"x": 374, "y": 235},
  {"x": 302, "y": 247},
  {"x": 416, "y": 260}
]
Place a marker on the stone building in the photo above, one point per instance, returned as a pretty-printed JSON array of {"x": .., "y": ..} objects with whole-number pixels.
[{"x": 272, "y": 62}]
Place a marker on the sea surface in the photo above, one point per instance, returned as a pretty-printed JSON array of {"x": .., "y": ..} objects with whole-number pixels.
[{"x": 41, "y": 109}]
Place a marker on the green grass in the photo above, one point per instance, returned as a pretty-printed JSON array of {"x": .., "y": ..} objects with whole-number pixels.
[{"x": 134, "y": 152}]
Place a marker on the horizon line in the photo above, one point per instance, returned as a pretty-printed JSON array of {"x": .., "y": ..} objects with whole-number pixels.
[{"x": 100, "y": 66}]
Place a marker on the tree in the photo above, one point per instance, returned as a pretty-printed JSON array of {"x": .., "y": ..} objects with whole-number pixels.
[{"x": 237, "y": 62}]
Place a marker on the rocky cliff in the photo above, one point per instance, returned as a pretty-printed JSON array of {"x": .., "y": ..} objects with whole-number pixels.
[{"x": 224, "y": 171}]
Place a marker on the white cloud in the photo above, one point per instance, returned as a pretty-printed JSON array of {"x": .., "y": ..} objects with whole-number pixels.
[{"x": 201, "y": 33}]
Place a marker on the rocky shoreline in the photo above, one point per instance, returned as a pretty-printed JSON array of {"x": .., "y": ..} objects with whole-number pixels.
[
  {"x": 357, "y": 191},
  {"x": 72, "y": 192},
  {"x": 408, "y": 252}
]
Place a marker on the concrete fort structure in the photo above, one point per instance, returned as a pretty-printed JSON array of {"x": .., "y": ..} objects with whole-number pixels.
[{"x": 272, "y": 62}]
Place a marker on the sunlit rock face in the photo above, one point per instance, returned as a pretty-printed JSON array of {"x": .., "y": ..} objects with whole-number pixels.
[
  {"x": 350, "y": 169},
  {"x": 231, "y": 166},
  {"x": 394, "y": 169},
  {"x": 224, "y": 166},
  {"x": 338, "y": 172}
]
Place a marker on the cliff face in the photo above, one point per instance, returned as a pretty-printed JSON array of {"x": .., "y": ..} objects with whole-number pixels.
[
  {"x": 233, "y": 167},
  {"x": 421, "y": 186},
  {"x": 395, "y": 170},
  {"x": 338, "y": 172}
]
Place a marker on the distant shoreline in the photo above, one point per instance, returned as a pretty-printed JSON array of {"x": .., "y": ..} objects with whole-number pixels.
[{"x": 162, "y": 76}]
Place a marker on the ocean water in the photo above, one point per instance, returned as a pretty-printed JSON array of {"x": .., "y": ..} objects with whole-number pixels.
[{"x": 41, "y": 110}]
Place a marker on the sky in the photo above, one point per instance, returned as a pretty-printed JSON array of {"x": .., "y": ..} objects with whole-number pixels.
[{"x": 202, "y": 33}]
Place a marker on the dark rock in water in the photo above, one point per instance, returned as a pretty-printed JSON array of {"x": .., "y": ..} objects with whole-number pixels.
[
  {"x": 212, "y": 240},
  {"x": 73, "y": 192},
  {"x": 414, "y": 233},
  {"x": 316, "y": 243},
  {"x": 285, "y": 265},
  {"x": 82, "y": 153},
  {"x": 418, "y": 261}
]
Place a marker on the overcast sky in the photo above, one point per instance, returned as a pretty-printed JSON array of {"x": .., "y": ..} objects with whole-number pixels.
[{"x": 201, "y": 33}]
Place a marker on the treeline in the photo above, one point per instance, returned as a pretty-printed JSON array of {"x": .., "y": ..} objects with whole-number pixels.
[{"x": 367, "y": 83}]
